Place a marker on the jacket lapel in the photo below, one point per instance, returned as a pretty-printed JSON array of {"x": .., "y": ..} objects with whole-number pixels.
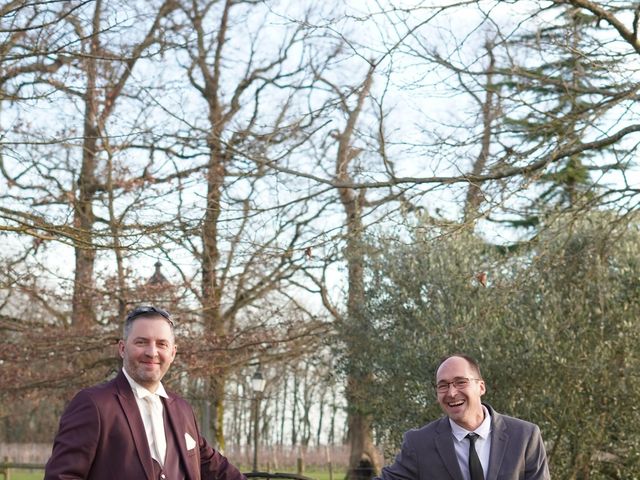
[
  {"x": 132, "y": 412},
  {"x": 499, "y": 441},
  {"x": 446, "y": 450},
  {"x": 178, "y": 427}
]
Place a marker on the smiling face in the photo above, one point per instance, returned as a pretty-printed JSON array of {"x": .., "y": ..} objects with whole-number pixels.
[
  {"x": 148, "y": 350},
  {"x": 463, "y": 405}
]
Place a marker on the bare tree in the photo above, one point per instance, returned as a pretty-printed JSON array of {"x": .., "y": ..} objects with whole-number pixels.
[
  {"x": 360, "y": 432},
  {"x": 78, "y": 37},
  {"x": 244, "y": 256}
]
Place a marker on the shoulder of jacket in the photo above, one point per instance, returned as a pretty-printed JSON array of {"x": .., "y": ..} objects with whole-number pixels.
[
  {"x": 514, "y": 421},
  {"x": 435, "y": 425}
]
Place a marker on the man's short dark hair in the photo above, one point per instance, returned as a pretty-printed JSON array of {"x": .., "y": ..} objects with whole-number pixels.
[
  {"x": 475, "y": 366},
  {"x": 145, "y": 311}
]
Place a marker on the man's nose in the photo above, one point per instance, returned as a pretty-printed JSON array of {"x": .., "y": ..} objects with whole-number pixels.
[
  {"x": 450, "y": 387},
  {"x": 151, "y": 350}
]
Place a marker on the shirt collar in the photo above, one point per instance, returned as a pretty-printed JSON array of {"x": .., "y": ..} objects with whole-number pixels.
[
  {"x": 140, "y": 392},
  {"x": 483, "y": 430}
]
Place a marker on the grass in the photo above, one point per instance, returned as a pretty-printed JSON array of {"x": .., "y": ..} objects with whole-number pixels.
[
  {"x": 314, "y": 473},
  {"x": 322, "y": 474},
  {"x": 26, "y": 474}
]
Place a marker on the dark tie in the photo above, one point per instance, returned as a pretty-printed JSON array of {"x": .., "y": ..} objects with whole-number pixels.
[{"x": 475, "y": 467}]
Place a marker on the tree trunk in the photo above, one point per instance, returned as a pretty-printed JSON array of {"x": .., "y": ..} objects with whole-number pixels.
[
  {"x": 474, "y": 192},
  {"x": 82, "y": 314},
  {"x": 359, "y": 422}
]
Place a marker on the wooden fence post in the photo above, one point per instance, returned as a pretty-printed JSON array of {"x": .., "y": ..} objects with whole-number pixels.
[
  {"x": 5, "y": 470},
  {"x": 329, "y": 463},
  {"x": 300, "y": 462}
]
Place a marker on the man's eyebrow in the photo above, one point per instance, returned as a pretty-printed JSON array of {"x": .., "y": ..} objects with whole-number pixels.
[
  {"x": 454, "y": 378},
  {"x": 142, "y": 337}
]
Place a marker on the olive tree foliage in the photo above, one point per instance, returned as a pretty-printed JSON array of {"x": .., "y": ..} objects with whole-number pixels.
[
  {"x": 556, "y": 130},
  {"x": 554, "y": 330},
  {"x": 422, "y": 302},
  {"x": 575, "y": 316}
]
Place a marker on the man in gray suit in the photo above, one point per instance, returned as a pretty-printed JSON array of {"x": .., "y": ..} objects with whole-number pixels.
[{"x": 473, "y": 441}]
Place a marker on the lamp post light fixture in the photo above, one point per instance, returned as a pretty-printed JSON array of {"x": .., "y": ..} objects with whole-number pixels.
[{"x": 257, "y": 384}]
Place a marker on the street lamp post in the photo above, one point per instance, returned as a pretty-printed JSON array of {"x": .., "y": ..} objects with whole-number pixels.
[{"x": 257, "y": 384}]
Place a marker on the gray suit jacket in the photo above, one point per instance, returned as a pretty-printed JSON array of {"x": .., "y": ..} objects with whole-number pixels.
[{"x": 517, "y": 452}]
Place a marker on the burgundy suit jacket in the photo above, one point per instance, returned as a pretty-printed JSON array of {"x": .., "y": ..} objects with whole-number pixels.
[{"x": 102, "y": 437}]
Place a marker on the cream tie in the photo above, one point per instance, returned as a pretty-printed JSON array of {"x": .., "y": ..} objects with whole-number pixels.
[{"x": 157, "y": 428}]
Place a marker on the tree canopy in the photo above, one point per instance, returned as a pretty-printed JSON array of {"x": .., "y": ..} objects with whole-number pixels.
[{"x": 554, "y": 329}]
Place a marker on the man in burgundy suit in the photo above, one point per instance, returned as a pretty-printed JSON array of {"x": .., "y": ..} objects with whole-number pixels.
[{"x": 131, "y": 428}]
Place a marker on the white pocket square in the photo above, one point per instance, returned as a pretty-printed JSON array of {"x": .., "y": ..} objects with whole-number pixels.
[{"x": 191, "y": 443}]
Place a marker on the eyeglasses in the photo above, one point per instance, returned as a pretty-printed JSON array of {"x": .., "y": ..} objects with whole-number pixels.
[
  {"x": 148, "y": 310},
  {"x": 460, "y": 383}
]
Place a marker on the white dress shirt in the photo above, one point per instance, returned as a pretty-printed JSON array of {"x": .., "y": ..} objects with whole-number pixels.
[
  {"x": 483, "y": 444},
  {"x": 139, "y": 392}
]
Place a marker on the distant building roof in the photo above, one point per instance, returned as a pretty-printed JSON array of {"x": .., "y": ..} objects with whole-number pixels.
[{"x": 157, "y": 278}]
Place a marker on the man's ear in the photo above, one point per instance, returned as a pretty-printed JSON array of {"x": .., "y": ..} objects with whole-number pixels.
[{"x": 121, "y": 348}]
